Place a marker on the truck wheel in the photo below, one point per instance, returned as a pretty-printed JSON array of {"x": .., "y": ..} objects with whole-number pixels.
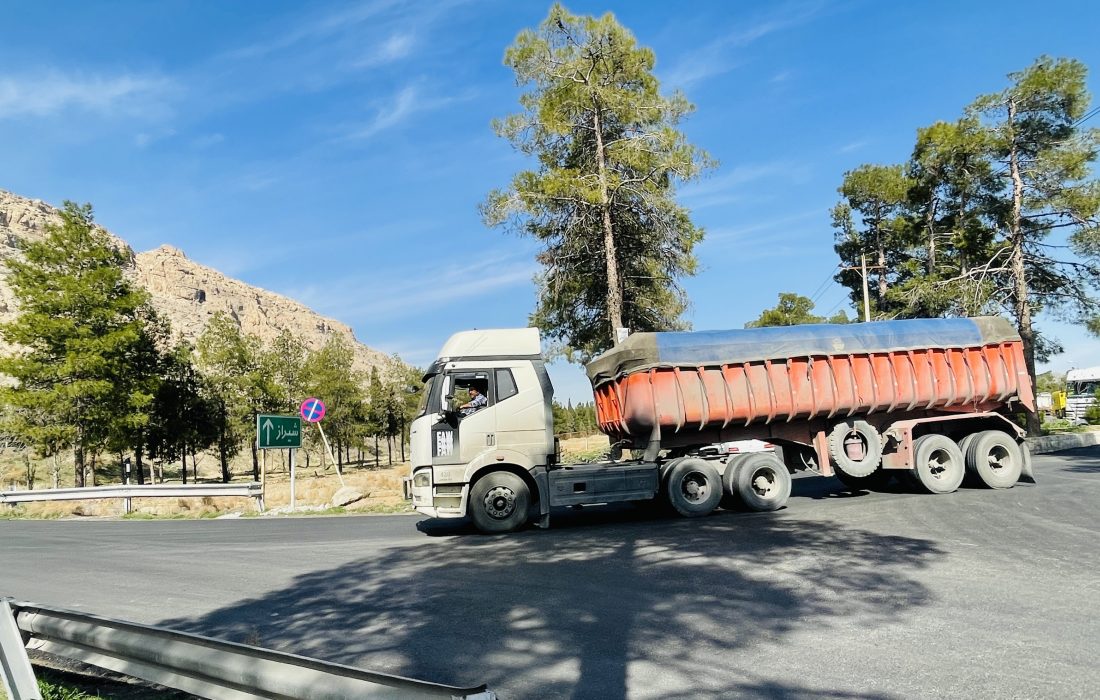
[
  {"x": 870, "y": 443},
  {"x": 996, "y": 458},
  {"x": 763, "y": 482},
  {"x": 499, "y": 502},
  {"x": 938, "y": 463},
  {"x": 729, "y": 474},
  {"x": 694, "y": 488}
]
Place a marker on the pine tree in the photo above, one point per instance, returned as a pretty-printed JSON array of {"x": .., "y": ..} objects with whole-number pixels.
[
  {"x": 82, "y": 339},
  {"x": 615, "y": 243}
]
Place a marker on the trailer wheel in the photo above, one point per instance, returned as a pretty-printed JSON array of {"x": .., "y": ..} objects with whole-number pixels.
[
  {"x": 694, "y": 488},
  {"x": 499, "y": 502},
  {"x": 763, "y": 482},
  {"x": 867, "y": 439},
  {"x": 938, "y": 463},
  {"x": 996, "y": 458}
]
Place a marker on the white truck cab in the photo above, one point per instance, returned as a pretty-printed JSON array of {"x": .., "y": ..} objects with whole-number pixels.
[
  {"x": 512, "y": 434},
  {"x": 1081, "y": 387}
]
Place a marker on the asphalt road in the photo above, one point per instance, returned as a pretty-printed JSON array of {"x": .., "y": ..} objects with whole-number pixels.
[{"x": 878, "y": 595}]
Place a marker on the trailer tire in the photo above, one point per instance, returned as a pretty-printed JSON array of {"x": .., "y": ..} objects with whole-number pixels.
[
  {"x": 499, "y": 502},
  {"x": 996, "y": 458},
  {"x": 694, "y": 488},
  {"x": 729, "y": 474},
  {"x": 938, "y": 463},
  {"x": 763, "y": 482},
  {"x": 872, "y": 445}
]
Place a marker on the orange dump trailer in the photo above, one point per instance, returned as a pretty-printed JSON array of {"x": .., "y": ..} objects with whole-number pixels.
[{"x": 795, "y": 384}]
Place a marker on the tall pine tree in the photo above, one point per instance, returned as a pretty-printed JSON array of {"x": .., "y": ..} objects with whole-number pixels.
[{"x": 81, "y": 365}]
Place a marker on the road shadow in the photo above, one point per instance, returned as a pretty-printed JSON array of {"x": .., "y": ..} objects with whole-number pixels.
[{"x": 601, "y": 606}]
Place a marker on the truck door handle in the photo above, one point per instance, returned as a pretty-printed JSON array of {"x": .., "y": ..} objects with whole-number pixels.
[{"x": 490, "y": 439}]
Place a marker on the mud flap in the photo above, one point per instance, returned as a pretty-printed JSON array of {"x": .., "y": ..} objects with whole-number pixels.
[{"x": 1027, "y": 474}]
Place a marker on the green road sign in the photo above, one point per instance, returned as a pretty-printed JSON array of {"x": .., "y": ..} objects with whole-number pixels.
[{"x": 278, "y": 432}]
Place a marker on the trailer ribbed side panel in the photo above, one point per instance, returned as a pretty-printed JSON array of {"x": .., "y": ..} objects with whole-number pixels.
[{"x": 709, "y": 397}]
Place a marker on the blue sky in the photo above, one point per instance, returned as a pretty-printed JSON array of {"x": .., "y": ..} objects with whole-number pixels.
[{"x": 337, "y": 152}]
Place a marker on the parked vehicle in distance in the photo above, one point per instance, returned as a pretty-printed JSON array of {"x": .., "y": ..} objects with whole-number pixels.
[
  {"x": 923, "y": 398},
  {"x": 1081, "y": 387}
]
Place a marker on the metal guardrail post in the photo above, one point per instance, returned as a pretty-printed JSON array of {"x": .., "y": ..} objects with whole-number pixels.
[
  {"x": 19, "y": 681},
  {"x": 212, "y": 668}
]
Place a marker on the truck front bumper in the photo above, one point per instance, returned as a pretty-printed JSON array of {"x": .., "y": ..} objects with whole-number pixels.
[{"x": 442, "y": 501}]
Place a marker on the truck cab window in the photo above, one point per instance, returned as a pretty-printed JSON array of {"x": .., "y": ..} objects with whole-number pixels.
[
  {"x": 506, "y": 384},
  {"x": 471, "y": 393}
]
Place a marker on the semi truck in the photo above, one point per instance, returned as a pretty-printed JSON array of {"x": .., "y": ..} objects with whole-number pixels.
[
  {"x": 929, "y": 400},
  {"x": 1081, "y": 388}
]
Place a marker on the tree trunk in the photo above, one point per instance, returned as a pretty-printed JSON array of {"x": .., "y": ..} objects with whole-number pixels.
[
  {"x": 614, "y": 289},
  {"x": 402, "y": 442},
  {"x": 138, "y": 466},
  {"x": 255, "y": 462},
  {"x": 225, "y": 461},
  {"x": 78, "y": 466},
  {"x": 377, "y": 453},
  {"x": 194, "y": 466},
  {"x": 183, "y": 464},
  {"x": 95, "y": 455},
  {"x": 1019, "y": 271},
  {"x": 930, "y": 224},
  {"x": 881, "y": 275}
]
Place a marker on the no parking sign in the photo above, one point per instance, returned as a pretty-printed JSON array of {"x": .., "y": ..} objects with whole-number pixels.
[{"x": 313, "y": 410}]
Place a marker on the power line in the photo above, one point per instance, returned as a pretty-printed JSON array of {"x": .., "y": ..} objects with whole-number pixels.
[{"x": 820, "y": 289}]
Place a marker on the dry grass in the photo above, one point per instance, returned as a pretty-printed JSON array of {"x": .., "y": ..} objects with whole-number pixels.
[
  {"x": 584, "y": 449},
  {"x": 314, "y": 488}
]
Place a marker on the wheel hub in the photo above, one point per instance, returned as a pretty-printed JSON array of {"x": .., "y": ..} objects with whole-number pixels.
[
  {"x": 763, "y": 482},
  {"x": 694, "y": 487},
  {"x": 998, "y": 459},
  {"x": 500, "y": 502}
]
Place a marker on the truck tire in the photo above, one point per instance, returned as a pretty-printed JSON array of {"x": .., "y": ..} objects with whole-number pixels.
[
  {"x": 729, "y": 474},
  {"x": 872, "y": 447},
  {"x": 499, "y": 502},
  {"x": 996, "y": 459},
  {"x": 938, "y": 463},
  {"x": 763, "y": 482},
  {"x": 694, "y": 488}
]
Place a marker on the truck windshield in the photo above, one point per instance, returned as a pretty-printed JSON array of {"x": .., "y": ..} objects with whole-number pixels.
[
  {"x": 1086, "y": 388},
  {"x": 431, "y": 388}
]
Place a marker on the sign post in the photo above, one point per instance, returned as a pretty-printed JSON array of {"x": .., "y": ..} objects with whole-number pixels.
[
  {"x": 312, "y": 411},
  {"x": 279, "y": 433}
]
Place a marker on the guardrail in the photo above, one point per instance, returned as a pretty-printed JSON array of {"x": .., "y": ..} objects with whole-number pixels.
[
  {"x": 202, "y": 666},
  {"x": 252, "y": 489}
]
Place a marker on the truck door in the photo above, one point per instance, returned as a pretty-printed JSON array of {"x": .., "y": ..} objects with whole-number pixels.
[{"x": 464, "y": 434}]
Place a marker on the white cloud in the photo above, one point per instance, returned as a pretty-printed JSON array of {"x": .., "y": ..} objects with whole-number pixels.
[
  {"x": 730, "y": 187},
  {"x": 714, "y": 58},
  {"x": 53, "y": 93},
  {"x": 314, "y": 29},
  {"x": 783, "y": 223},
  {"x": 403, "y": 104},
  {"x": 396, "y": 47},
  {"x": 409, "y": 292},
  {"x": 853, "y": 146}
]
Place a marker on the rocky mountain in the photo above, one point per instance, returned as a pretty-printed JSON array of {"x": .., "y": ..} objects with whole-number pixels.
[{"x": 186, "y": 293}]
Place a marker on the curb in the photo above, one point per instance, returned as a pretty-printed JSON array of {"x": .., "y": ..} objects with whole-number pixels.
[{"x": 1064, "y": 441}]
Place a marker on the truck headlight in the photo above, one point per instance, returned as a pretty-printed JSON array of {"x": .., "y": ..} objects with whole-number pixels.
[{"x": 421, "y": 479}]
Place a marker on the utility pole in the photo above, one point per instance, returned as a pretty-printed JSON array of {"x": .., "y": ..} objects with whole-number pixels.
[{"x": 866, "y": 295}]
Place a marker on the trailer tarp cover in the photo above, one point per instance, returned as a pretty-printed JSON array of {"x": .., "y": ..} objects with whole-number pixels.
[{"x": 643, "y": 351}]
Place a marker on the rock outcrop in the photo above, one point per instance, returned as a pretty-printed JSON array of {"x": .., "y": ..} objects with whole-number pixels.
[{"x": 186, "y": 293}]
